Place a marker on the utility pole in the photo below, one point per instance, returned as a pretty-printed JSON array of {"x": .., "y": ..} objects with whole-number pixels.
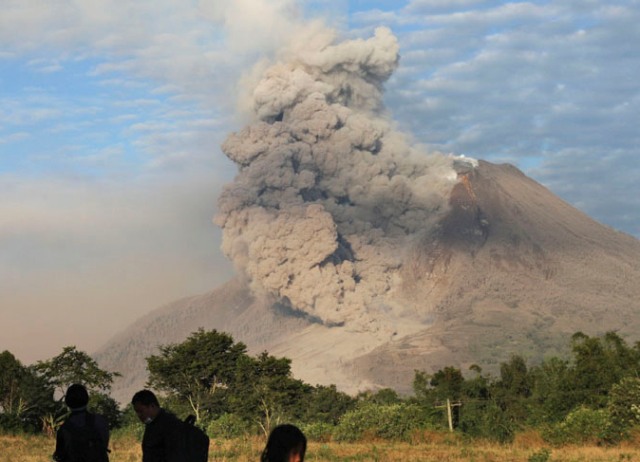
[{"x": 449, "y": 412}]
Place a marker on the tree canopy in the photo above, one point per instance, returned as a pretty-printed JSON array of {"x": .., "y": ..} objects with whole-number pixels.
[{"x": 75, "y": 366}]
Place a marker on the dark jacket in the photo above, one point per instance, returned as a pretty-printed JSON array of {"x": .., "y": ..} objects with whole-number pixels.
[
  {"x": 163, "y": 439},
  {"x": 64, "y": 437}
]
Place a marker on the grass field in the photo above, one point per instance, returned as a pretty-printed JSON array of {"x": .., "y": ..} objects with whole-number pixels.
[{"x": 436, "y": 447}]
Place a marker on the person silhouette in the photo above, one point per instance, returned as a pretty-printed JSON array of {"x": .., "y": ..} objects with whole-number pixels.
[
  {"x": 163, "y": 433},
  {"x": 286, "y": 443},
  {"x": 83, "y": 436}
]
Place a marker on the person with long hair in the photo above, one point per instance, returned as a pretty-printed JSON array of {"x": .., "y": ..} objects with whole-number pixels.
[{"x": 286, "y": 443}]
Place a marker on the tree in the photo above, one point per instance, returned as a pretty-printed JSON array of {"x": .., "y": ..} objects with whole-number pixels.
[
  {"x": 11, "y": 375},
  {"x": 382, "y": 396},
  {"x": 214, "y": 376},
  {"x": 479, "y": 415},
  {"x": 266, "y": 392},
  {"x": 199, "y": 370},
  {"x": 326, "y": 404},
  {"x": 103, "y": 404},
  {"x": 552, "y": 397},
  {"x": 476, "y": 387},
  {"x": 445, "y": 384},
  {"x": 512, "y": 391},
  {"x": 75, "y": 366},
  {"x": 442, "y": 391},
  {"x": 599, "y": 363},
  {"x": 421, "y": 387},
  {"x": 24, "y": 397},
  {"x": 624, "y": 403},
  {"x": 514, "y": 377}
]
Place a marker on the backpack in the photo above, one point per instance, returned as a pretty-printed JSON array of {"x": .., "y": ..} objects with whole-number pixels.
[
  {"x": 83, "y": 444},
  {"x": 195, "y": 440}
]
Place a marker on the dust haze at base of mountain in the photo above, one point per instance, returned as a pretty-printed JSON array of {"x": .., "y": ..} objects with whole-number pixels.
[{"x": 329, "y": 196}]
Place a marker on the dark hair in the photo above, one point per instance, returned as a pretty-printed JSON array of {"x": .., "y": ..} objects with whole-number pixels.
[
  {"x": 76, "y": 396},
  {"x": 282, "y": 440},
  {"x": 145, "y": 397}
]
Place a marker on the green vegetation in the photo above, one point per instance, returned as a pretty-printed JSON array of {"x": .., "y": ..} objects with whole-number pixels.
[
  {"x": 25, "y": 397},
  {"x": 589, "y": 398},
  {"x": 31, "y": 397}
]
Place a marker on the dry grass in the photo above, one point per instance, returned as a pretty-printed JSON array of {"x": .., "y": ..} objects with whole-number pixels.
[{"x": 436, "y": 447}]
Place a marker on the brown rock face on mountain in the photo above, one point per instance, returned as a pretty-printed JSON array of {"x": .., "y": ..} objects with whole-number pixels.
[{"x": 510, "y": 269}]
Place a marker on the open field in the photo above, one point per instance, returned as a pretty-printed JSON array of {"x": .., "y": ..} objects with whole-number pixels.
[{"x": 441, "y": 448}]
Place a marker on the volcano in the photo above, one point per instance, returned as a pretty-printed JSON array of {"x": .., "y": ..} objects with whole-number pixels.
[{"x": 509, "y": 269}]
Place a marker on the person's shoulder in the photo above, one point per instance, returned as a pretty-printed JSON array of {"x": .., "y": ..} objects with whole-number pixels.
[
  {"x": 168, "y": 417},
  {"x": 75, "y": 419}
]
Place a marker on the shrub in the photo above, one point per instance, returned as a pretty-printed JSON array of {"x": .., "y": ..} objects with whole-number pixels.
[
  {"x": 318, "y": 431},
  {"x": 105, "y": 405},
  {"x": 228, "y": 426},
  {"x": 488, "y": 421},
  {"x": 583, "y": 426},
  {"x": 132, "y": 430},
  {"x": 624, "y": 402},
  {"x": 11, "y": 424},
  {"x": 395, "y": 422}
]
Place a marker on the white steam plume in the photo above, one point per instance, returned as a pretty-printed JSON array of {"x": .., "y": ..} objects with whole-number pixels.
[{"x": 329, "y": 196}]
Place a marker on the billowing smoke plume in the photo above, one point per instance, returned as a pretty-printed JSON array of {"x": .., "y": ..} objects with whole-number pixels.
[{"x": 329, "y": 197}]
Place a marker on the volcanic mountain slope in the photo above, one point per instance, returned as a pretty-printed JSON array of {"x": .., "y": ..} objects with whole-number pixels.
[{"x": 510, "y": 269}]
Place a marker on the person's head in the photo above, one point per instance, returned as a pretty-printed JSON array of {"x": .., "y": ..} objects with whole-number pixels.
[
  {"x": 286, "y": 443},
  {"x": 146, "y": 405},
  {"x": 76, "y": 397}
]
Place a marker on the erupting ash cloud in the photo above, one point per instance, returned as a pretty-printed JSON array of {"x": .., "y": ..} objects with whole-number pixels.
[{"x": 329, "y": 197}]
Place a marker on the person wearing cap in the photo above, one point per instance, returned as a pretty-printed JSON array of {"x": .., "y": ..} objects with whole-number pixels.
[{"x": 80, "y": 430}]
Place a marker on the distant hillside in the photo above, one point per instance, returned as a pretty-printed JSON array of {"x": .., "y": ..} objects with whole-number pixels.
[{"x": 510, "y": 269}]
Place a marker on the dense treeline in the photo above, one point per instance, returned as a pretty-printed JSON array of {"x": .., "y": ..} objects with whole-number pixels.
[{"x": 592, "y": 396}]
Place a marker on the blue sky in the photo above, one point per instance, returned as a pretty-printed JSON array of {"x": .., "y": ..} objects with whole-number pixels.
[{"x": 112, "y": 114}]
